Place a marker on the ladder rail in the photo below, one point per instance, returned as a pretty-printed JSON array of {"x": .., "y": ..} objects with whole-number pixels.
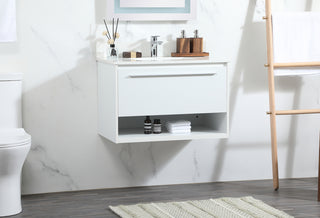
[
  {"x": 294, "y": 64},
  {"x": 272, "y": 96},
  {"x": 297, "y": 64},
  {"x": 296, "y": 112}
]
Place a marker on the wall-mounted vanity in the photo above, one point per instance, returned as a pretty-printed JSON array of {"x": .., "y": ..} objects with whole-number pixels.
[{"x": 194, "y": 89}]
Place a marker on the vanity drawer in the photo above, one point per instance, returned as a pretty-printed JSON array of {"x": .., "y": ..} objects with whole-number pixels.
[{"x": 176, "y": 89}]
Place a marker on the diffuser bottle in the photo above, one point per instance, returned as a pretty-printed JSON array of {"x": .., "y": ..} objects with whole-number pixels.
[{"x": 112, "y": 51}]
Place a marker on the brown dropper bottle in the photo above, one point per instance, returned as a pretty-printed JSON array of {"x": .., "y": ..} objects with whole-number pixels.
[{"x": 147, "y": 125}]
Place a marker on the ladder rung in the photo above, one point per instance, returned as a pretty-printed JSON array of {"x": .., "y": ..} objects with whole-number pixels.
[
  {"x": 297, "y": 64},
  {"x": 292, "y": 112}
]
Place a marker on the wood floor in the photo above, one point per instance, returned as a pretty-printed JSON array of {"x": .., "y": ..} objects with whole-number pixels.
[{"x": 297, "y": 197}]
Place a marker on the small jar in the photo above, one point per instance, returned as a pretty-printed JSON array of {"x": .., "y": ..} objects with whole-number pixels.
[
  {"x": 147, "y": 125},
  {"x": 156, "y": 126}
]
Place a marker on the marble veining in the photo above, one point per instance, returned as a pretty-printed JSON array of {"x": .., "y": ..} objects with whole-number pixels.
[
  {"x": 125, "y": 156},
  {"x": 73, "y": 86},
  {"x": 210, "y": 9},
  {"x": 196, "y": 166},
  {"x": 44, "y": 41},
  {"x": 152, "y": 160},
  {"x": 47, "y": 169},
  {"x": 139, "y": 162}
]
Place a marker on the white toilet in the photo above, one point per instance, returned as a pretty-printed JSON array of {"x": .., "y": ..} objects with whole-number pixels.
[{"x": 15, "y": 143}]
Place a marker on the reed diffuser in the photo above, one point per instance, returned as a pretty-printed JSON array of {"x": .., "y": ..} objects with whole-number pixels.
[{"x": 112, "y": 38}]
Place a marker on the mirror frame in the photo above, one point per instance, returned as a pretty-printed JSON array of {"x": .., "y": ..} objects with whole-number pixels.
[{"x": 151, "y": 16}]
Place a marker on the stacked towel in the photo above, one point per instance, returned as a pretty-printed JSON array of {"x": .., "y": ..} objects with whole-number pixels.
[
  {"x": 8, "y": 21},
  {"x": 296, "y": 39},
  {"x": 179, "y": 127}
]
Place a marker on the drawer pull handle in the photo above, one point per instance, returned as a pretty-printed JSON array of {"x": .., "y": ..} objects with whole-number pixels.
[{"x": 171, "y": 75}]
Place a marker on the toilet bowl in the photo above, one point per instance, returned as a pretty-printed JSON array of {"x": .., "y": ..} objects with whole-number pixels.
[{"x": 15, "y": 144}]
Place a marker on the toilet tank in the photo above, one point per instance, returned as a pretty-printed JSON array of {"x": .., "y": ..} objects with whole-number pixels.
[{"x": 10, "y": 100}]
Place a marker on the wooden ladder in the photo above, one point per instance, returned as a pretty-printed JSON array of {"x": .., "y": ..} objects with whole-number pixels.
[{"x": 273, "y": 112}]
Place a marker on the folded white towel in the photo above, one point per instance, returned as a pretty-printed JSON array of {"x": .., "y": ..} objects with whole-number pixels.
[
  {"x": 8, "y": 21},
  {"x": 181, "y": 131},
  {"x": 296, "y": 39},
  {"x": 178, "y": 123},
  {"x": 179, "y": 128}
]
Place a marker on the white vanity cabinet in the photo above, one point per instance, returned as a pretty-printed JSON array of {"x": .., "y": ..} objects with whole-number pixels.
[{"x": 194, "y": 89}]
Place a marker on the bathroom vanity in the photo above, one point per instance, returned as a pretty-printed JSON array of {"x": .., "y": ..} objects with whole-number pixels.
[{"x": 194, "y": 89}]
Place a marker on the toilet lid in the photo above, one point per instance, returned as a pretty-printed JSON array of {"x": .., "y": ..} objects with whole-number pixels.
[{"x": 13, "y": 137}]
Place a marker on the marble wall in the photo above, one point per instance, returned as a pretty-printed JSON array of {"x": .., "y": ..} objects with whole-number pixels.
[{"x": 56, "y": 47}]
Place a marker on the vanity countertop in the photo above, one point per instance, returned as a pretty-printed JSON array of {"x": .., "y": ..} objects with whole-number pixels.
[{"x": 160, "y": 60}]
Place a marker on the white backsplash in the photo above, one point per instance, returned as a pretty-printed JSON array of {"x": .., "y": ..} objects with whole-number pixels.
[{"x": 56, "y": 48}]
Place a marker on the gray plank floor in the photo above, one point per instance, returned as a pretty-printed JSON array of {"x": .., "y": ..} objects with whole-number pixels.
[{"x": 297, "y": 197}]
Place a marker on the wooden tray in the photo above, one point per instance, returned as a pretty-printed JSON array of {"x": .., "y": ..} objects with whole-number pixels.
[{"x": 203, "y": 54}]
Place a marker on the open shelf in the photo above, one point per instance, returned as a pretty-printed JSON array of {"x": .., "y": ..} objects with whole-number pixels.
[
  {"x": 135, "y": 135},
  {"x": 204, "y": 126}
]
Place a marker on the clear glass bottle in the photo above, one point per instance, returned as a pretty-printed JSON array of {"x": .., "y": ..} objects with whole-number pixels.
[{"x": 112, "y": 51}]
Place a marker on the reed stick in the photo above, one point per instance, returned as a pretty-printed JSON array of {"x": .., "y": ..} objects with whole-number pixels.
[
  {"x": 115, "y": 34},
  {"x": 113, "y": 28},
  {"x": 108, "y": 35}
]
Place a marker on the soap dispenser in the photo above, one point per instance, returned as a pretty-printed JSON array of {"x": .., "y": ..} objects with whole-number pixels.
[
  {"x": 183, "y": 43},
  {"x": 196, "y": 43}
]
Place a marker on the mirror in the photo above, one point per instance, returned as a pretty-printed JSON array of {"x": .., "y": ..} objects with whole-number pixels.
[{"x": 151, "y": 10}]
